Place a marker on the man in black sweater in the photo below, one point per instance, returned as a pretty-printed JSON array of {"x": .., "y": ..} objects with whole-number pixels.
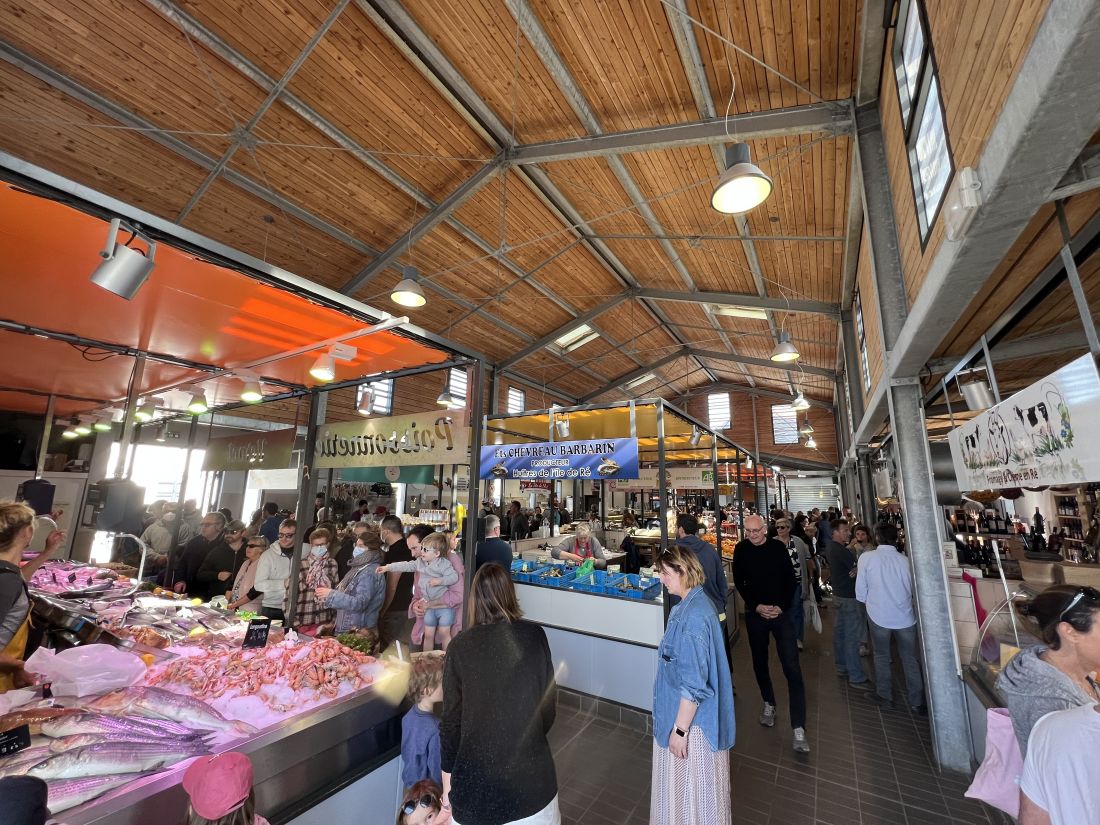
[
  {"x": 765, "y": 579},
  {"x": 494, "y": 550}
]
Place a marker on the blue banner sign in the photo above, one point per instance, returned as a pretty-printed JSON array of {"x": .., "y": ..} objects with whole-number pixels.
[{"x": 603, "y": 458}]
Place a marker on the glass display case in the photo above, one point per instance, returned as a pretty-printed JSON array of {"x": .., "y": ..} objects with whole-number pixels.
[{"x": 1002, "y": 635}]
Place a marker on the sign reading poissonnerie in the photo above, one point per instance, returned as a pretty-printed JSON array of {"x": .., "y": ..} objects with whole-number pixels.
[{"x": 601, "y": 458}]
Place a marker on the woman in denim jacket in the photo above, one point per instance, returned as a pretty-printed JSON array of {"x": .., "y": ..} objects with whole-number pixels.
[{"x": 693, "y": 724}]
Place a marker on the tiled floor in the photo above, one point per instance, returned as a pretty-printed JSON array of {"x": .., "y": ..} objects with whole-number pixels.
[{"x": 867, "y": 767}]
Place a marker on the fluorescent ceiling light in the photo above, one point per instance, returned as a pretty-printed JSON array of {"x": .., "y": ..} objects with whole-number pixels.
[
  {"x": 641, "y": 379},
  {"x": 576, "y": 338},
  {"x": 408, "y": 292},
  {"x": 743, "y": 186},
  {"x": 785, "y": 351},
  {"x": 739, "y": 312}
]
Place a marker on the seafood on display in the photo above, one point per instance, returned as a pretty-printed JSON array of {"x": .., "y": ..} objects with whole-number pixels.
[
  {"x": 34, "y": 717},
  {"x": 68, "y": 793},
  {"x": 64, "y": 576},
  {"x": 109, "y": 758},
  {"x": 121, "y": 727},
  {"x": 320, "y": 668},
  {"x": 156, "y": 703}
]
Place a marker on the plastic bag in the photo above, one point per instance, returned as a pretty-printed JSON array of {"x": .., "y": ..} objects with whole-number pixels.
[
  {"x": 813, "y": 614},
  {"x": 87, "y": 670},
  {"x": 995, "y": 783}
]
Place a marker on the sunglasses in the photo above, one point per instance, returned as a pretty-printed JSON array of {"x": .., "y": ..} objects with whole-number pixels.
[
  {"x": 286, "y": 535},
  {"x": 426, "y": 801},
  {"x": 256, "y": 546},
  {"x": 782, "y": 527},
  {"x": 1093, "y": 596}
]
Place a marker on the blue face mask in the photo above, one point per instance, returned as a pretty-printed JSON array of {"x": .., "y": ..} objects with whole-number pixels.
[
  {"x": 358, "y": 550},
  {"x": 318, "y": 551}
]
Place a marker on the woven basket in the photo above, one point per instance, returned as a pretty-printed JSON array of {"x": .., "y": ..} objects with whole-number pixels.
[{"x": 1088, "y": 574}]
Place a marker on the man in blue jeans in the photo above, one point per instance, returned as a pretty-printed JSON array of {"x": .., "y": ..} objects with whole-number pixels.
[
  {"x": 842, "y": 576},
  {"x": 885, "y": 585}
]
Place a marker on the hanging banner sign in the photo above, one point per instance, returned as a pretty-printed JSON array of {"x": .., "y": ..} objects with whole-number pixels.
[
  {"x": 679, "y": 478},
  {"x": 603, "y": 458},
  {"x": 1044, "y": 434},
  {"x": 402, "y": 440},
  {"x": 253, "y": 451}
]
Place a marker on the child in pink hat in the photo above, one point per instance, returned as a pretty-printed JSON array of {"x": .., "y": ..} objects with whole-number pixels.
[{"x": 220, "y": 789}]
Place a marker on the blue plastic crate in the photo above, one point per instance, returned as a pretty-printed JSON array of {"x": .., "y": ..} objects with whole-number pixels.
[
  {"x": 533, "y": 567},
  {"x": 567, "y": 575},
  {"x": 594, "y": 582},
  {"x": 651, "y": 590}
]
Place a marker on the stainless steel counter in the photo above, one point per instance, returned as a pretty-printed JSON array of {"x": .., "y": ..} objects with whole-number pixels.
[{"x": 301, "y": 760}]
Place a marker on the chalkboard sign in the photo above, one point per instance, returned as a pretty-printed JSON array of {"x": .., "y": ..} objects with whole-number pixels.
[
  {"x": 256, "y": 635},
  {"x": 15, "y": 740}
]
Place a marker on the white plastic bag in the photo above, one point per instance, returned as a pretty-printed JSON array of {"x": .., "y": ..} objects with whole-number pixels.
[
  {"x": 87, "y": 670},
  {"x": 813, "y": 614}
]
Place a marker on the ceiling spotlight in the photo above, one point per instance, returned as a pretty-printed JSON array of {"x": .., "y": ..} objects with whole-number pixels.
[
  {"x": 102, "y": 422},
  {"x": 161, "y": 433},
  {"x": 785, "y": 351},
  {"x": 800, "y": 402},
  {"x": 124, "y": 269},
  {"x": 70, "y": 433},
  {"x": 251, "y": 393},
  {"x": 324, "y": 368},
  {"x": 811, "y": 443},
  {"x": 743, "y": 186},
  {"x": 696, "y": 436},
  {"x": 198, "y": 403},
  {"x": 144, "y": 413},
  {"x": 807, "y": 428},
  {"x": 445, "y": 399},
  {"x": 82, "y": 427},
  {"x": 748, "y": 462},
  {"x": 977, "y": 395},
  {"x": 408, "y": 292},
  {"x": 561, "y": 424}
]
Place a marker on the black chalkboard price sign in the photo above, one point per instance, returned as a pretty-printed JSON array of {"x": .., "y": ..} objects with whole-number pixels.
[
  {"x": 15, "y": 740},
  {"x": 256, "y": 635}
]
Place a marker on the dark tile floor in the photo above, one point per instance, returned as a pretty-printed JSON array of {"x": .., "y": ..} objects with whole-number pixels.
[{"x": 867, "y": 766}]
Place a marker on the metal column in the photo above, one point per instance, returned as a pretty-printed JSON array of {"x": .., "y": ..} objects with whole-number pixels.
[
  {"x": 307, "y": 491},
  {"x": 477, "y": 432},
  {"x": 662, "y": 491},
  {"x": 44, "y": 447},
  {"x": 170, "y": 570},
  {"x": 923, "y": 520},
  {"x": 852, "y": 368},
  {"x": 1074, "y": 278},
  {"x": 717, "y": 506},
  {"x": 740, "y": 499},
  {"x": 128, "y": 422}
]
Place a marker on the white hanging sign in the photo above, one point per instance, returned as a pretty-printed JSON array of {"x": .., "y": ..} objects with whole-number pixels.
[
  {"x": 427, "y": 438},
  {"x": 1044, "y": 434}
]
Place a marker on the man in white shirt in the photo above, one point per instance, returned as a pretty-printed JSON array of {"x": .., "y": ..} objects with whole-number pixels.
[
  {"x": 885, "y": 584},
  {"x": 1061, "y": 780}
]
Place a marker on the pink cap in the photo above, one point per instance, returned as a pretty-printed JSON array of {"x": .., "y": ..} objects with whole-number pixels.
[{"x": 218, "y": 784}]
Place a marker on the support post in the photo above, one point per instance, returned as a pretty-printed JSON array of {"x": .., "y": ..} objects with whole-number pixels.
[
  {"x": 866, "y": 489},
  {"x": 477, "y": 433},
  {"x": 307, "y": 491},
  {"x": 923, "y": 520},
  {"x": 128, "y": 421},
  {"x": 716, "y": 506},
  {"x": 662, "y": 492},
  {"x": 174, "y": 549},
  {"x": 44, "y": 446},
  {"x": 740, "y": 500},
  {"x": 1074, "y": 278},
  {"x": 853, "y": 369}
]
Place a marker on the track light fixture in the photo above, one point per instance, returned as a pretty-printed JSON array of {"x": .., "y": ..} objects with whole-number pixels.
[
  {"x": 696, "y": 436},
  {"x": 743, "y": 186},
  {"x": 324, "y": 368},
  {"x": 561, "y": 424},
  {"x": 408, "y": 292},
  {"x": 365, "y": 405},
  {"x": 785, "y": 351},
  {"x": 70, "y": 431},
  {"x": 124, "y": 269},
  {"x": 82, "y": 426},
  {"x": 102, "y": 422},
  {"x": 198, "y": 403},
  {"x": 251, "y": 392}
]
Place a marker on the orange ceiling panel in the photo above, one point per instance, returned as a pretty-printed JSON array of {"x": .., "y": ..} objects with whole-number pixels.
[{"x": 189, "y": 308}]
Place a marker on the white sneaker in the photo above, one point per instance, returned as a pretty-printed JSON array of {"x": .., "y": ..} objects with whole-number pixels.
[
  {"x": 800, "y": 743},
  {"x": 767, "y": 716},
  {"x": 800, "y": 645}
]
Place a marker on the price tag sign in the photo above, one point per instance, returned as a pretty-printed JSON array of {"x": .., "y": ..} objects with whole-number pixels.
[
  {"x": 256, "y": 635},
  {"x": 15, "y": 740}
]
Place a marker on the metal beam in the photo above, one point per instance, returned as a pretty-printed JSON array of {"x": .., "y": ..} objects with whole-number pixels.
[
  {"x": 853, "y": 234},
  {"x": 436, "y": 215},
  {"x": 793, "y": 463},
  {"x": 743, "y": 300},
  {"x": 550, "y": 337},
  {"x": 697, "y": 239},
  {"x": 630, "y": 376},
  {"x": 1018, "y": 349},
  {"x": 1083, "y": 176},
  {"x": 1024, "y": 159},
  {"x": 795, "y": 120},
  {"x": 872, "y": 43},
  {"x": 763, "y": 362}
]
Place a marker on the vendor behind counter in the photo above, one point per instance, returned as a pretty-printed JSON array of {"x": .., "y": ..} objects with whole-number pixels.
[{"x": 580, "y": 546}]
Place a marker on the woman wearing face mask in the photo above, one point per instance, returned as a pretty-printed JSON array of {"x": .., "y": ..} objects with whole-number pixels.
[
  {"x": 244, "y": 595},
  {"x": 359, "y": 596},
  {"x": 318, "y": 570}
]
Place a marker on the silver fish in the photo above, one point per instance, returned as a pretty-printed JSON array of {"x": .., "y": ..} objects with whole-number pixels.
[
  {"x": 17, "y": 763},
  {"x": 114, "y": 757},
  {"x": 80, "y": 740},
  {"x": 157, "y": 703},
  {"x": 118, "y": 726},
  {"x": 68, "y": 793}
]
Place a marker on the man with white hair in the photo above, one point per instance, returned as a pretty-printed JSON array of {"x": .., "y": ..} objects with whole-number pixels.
[
  {"x": 494, "y": 550},
  {"x": 766, "y": 581}
]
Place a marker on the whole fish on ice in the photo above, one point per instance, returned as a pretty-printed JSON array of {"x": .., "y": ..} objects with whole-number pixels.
[
  {"x": 119, "y": 727},
  {"x": 68, "y": 793},
  {"x": 33, "y": 717},
  {"x": 112, "y": 758},
  {"x": 80, "y": 740},
  {"x": 157, "y": 703},
  {"x": 17, "y": 763}
]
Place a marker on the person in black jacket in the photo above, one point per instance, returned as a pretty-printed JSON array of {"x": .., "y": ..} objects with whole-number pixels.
[
  {"x": 765, "y": 579},
  {"x": 499, "y": 699},
  {"x": 189, "y": 558},
  {"x": 224, "y": 559}
]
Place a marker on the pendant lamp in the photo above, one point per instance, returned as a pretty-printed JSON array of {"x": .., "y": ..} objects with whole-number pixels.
[
  {"x": 785, "y": 351},
  {"x": 408, "y": 292},
  {"x": 743, "y": 186}
]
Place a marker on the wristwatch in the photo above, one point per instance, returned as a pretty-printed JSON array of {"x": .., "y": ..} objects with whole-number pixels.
[{"x": 679, "y": 732}]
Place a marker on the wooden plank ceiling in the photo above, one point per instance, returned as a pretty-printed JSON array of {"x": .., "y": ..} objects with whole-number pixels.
[{"x": 316, "y": 134}]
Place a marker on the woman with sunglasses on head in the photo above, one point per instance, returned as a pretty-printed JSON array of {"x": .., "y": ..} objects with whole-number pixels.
[
  {"x": 1056, "y": 675},
  {"x": 693, "y": 719},
  {"x": 243, "y": 595},
  {"x": 421, "y": 805}
]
